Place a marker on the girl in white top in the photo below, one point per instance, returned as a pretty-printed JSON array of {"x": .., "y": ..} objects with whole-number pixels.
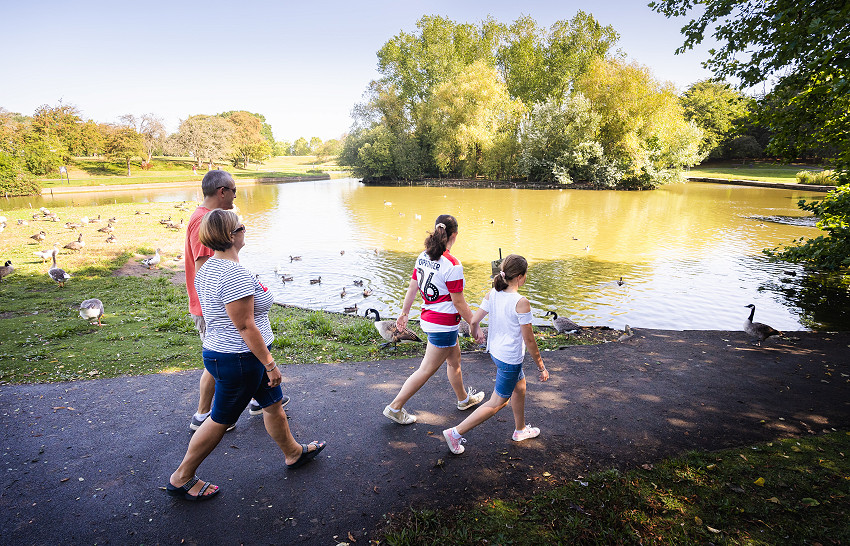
[
  {"x": 510, "y": 332},
  {"x": 438, "y": 278}
]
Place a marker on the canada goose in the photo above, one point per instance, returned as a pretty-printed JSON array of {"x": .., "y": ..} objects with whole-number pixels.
[
  {"x": 153, "y": 261},
  {"x": 758, "y": 330},
  {"x": 358, "y": 283},
  {"x": 341, "y": 252},
  {"x": 92, "y": 309},
  {"x": 343, "y": 293},
  {"x": 44, "y": 254},
  {"x": 113, "y": 220},
  {"x": 563, "y": 325},
  {"x": 316, "y": 281},
  {"x": 388, "y": 329},
  {"x": 366, "y": 292},
  {"x": 352, "y": 309},
  {"x": 111, "y": 238},
  {"x": 285, "y": 278},
  {"x": 6, "y": 270},
  {"x": 57, "y": 274},
  {"x": 22, "y": 222},
  {"x": 621, "y": 282},
  {"x": 165, "y": 221},
  {"x": 627, "y": 334},
  {"x": 72, "y": 225},
  {"x": 40, "y": 236},
  {"x": 106, "y": 229},
  {"x": 172, "y": 225},
  {"x": 94, "y": 220},
  {"x": 76, "y": 245},
  {"x": 294, "y": 258}
]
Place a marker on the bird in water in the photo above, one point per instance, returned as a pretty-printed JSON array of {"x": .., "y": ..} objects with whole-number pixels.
[
  {"x": 92, "y": 310},
  {"x": 358, "y": 283},
  {"x": 294, "y": 258},
  {"x": 621, "y": 282},
  {"x": 57, "y": 274},
  {"x": 756, "y": 330},
  {"x": 563, "y": 325},
  {"x": 366, "y": 292},
  {"x": 284, "y": 278},
  {"x": 343, "y": 293},
  {"x": 352, "y": 309},
  {"x": 317, "y": 280},
  {"x": 6, "y": 270},
  {"x": 153, "y": 261},
  {"x": 388, "y": 329}
]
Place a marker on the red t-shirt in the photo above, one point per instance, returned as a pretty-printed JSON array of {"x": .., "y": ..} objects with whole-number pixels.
[{"x": 192, "y": 251}]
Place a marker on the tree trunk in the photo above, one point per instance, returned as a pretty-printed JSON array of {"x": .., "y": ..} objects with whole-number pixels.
[
  {"x": 246, "y": 162},
  {"x": 128, "y": 166}
]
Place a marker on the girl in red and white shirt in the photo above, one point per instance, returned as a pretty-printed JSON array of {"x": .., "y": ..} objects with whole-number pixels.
[{"x": 438, "y": 278}]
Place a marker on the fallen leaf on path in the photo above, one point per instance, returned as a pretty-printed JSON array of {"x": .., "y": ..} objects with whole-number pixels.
[
  {"x": 759, "y": 482},
  {"x": 351, "y": 537},
  {"x": 744, "y": 457},
  {"x": 63, "y": 480},
  {"x": 774, "y": 500},
  {"x": 712, "y": 529}
]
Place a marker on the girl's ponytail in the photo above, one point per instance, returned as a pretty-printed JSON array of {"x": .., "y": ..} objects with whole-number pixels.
[
  {"x": 513, "y": 266},
  {"x": 444, "y": 227}
]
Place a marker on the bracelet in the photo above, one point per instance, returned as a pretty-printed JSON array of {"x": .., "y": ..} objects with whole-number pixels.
[{"x": 274, "y": 365}]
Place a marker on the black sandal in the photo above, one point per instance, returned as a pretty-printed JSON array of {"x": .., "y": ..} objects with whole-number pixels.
[
  {"x": 183, "y": 491},
  {"x": 307, "y": 456}
]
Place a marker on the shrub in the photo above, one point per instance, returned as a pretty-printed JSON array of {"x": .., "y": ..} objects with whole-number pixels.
[
  {"x": 14, "y": 179},
  {"x": 820, "y": 178}
]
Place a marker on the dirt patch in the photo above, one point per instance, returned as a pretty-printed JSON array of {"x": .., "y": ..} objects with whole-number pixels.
[{"x": 169, "y": 267}]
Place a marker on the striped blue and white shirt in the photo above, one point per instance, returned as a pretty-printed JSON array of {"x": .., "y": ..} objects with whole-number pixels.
[{"x": 220, "y": 282}]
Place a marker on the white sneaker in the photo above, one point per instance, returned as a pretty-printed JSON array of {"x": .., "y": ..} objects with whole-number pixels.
[
  {"x": 454, "y": 443},
  {"x": 526, "y": 433},
  {"x": 401, "y": 416},
  {"x": 473, "y": 398}
]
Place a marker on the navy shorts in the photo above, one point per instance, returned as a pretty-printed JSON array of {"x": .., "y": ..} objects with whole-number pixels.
[
  {"x": 238, "y": 378},
  {"x": 442, "y": 340},
  {"x": 507, "y": 376}
]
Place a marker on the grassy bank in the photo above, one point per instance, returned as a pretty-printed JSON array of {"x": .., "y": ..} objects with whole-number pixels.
[
  {"x": 763, "y": 171},
  {"x": 146, "y": 324},
  {"x": 96, "y": 172},
  {"x": 793, "y": 491}
]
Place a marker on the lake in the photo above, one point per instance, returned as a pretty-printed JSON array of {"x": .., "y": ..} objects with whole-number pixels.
[{"x": 689, "y": 254}]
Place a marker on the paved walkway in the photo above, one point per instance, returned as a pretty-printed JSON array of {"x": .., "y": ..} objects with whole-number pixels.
[{"x": 85, "y": 462}]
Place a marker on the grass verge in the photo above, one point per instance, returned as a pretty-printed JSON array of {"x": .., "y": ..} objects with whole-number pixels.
[
  {"x": 791, "y": 491},
  {"x": 762, "y": 171}
]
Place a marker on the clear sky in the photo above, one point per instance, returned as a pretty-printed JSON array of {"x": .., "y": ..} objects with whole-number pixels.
[{"x": 303, "y": 65}]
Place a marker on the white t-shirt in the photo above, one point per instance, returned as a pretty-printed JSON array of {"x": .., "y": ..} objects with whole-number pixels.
[
  {"x": 504, "y": 337},
  {"x": 437, "y": 280},
  {"x": 220, "y": 282}
]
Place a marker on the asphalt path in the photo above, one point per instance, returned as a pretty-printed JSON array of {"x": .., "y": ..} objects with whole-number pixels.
[{"x": 87, "y": 461}]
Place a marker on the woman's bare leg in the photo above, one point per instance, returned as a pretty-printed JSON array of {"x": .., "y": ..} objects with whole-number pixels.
[
  {"x": 454, "y": 373},
  {"x": 431, "y": 362},
  {"x": 483, "y": 412},
  {"x": 277, "y": 425},
  {"x": 200, "y": 446},
  {"x": 518, "y": 404}
]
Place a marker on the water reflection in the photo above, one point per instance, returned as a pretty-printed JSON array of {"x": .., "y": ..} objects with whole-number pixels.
[{"x": 690, "y": 253}]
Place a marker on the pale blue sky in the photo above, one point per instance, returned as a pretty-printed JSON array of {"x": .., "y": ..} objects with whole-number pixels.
[{"x": 301, "y": 64}]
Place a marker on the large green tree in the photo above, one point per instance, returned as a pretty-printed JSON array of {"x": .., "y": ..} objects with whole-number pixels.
[
  {"x": 246, "y": 136},
  {"x": 204, "y": 137},
  {"x": 716, "y": 108},
  {"x": 125, "y": 143}
]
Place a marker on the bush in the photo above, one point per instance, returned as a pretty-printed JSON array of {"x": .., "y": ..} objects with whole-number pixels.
[
  {"x": 819, "y": 178},
  {"x": 14, "y": 179}
]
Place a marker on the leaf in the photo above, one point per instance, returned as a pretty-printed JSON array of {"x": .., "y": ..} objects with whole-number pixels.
[
  {"x": 759, "y": 482},
  {"x": 546, "y": 474},
  {"x": 697, "y": 520},
  {"x": 712, "y": 466},
  {"x": 351, "y": 537},
  {"x": 808, "y": 501},
  {"x": 712, "y": 529},
  {"x": 774, "y": 500},
  {"x": 744, "y": 457}
]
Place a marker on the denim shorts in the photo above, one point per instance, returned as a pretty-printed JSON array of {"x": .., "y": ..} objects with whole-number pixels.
[
  {"x": 238, "y": 378},
  {"x": 507, "y": 376},
  {"x": 442, "y": 340}
]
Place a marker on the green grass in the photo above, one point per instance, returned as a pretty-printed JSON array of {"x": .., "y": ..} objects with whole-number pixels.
[
  {"x": 763, "y": 171},
  {"x": 700, "y": 498}
]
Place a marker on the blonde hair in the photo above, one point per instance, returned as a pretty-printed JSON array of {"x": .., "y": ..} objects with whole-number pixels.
[{"x": 216, "y": 229}]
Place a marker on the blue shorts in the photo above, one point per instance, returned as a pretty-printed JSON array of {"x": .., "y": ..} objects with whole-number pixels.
[
  {"x": 238, "y": 378},
  {"x": 507, "y": 376},
  {"x": 442, "y": 340}
]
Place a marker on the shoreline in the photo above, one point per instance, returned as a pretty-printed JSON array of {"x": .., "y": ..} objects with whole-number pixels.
[{"x": 181, "y": 184}]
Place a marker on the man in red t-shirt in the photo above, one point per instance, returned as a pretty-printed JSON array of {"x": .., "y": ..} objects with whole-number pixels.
[{"x": 219, "y": 191}]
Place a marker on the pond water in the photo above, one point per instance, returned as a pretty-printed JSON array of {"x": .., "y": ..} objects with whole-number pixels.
[{"x": 689, "y": 254}]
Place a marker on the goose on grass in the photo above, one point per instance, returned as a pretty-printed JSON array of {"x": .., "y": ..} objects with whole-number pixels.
[{"x": 388, "y": 329}]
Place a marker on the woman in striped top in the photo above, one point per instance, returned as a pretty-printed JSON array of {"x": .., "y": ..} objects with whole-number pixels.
[
  {"x": 237, "y": 344},
  {"x": 438, "y": 277}
]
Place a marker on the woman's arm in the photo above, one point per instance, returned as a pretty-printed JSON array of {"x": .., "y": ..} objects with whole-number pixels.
[
  {"x": 523, "y": 306},
  {"x": 241, "y": 313},
  {"x": 462, "y": 307},
  {"x": 412, "y": 289},
  {"x": 474, "y": 329}
]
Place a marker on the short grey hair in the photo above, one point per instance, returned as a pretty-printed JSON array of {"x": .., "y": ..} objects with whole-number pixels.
[{"x": 215, "y": 179}]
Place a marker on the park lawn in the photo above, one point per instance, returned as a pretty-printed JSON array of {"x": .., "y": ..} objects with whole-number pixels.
[
  {"x": 146, "y": 327},
  {"x": 789, "y": 491},
  {"x": 101, "y": 172},
  {"x": 762, "y": 171}
]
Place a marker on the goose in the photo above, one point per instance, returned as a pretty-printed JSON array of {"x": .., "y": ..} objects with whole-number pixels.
[
  {"x": 627, "y": 334},
  {"x": 352, "y": 309},
  {"x": 44, "y": 211},
  {"x": 294, "y": 259},
  {"x": 285, "y": 278},
  {"x": 758, "y": 330},
  {"x": 44, "y": 254},
  {"x": 72, "y": 225},
  {"x": 177, "y": 258},
  {"x": 165, "y": 221},
  {"x": 342, "y": 253},
  {"x": 563, "y": 325},
  {"x": 92, "y": 309},
  {"x": 358, "y": 283},
  {"x": 6, "y": 270},
  {"x": 388, "y": 329},
  {"x": 57, "y": 274},
  {"x": 111, "y": 238},
  {"x": 316, "y": 281},
  {"x": 2, "y": 226},
  {"x": 172, "y": 225},
  {"x": 94, "y": 220},
  {"x": 153, "y": 261},
  {"x": 76, "y": 245},
  {"x": 366, "y": 292},
  {"x": 113, "y": 220},
  {"x": 84, "y": 220},
  {"x": 343, "y": 293},
  {"x": 621, "y": 282},
  {"x": 106, "y": 229},
  {"x": 40, "y": 236},
  {"x": 22, "y": 222}
]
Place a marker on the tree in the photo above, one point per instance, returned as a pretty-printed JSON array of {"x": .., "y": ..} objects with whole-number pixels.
[
  {"x": 246, "y": 137},
  {"x": 204, "y": 137},
  {"x": 153, "y": 132},
  {"x": 62, "y": 122},
  {"x": 301, "y": 147},
  {"x": 717, "y": 109},
  {"x": 125, "y": 143}
]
